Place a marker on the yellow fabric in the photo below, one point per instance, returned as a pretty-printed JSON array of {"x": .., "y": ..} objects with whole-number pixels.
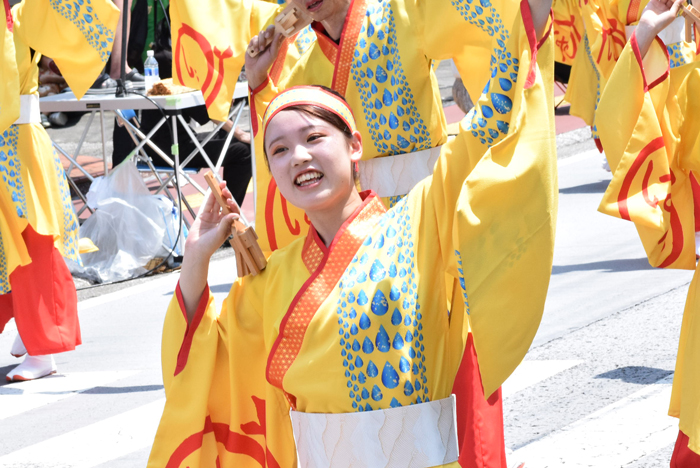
[
  {"x": 77, "y": 37},
  {"x": 652, "y": 140},
  {"x": 33, "y": 177},
  {"x": 209, "y": 44},
  {"x": 382, "y": 337},
  {"x": 568, "y": 30},
  {"x": 9, "y": 91},
  {"x": 603, "y": 40}
]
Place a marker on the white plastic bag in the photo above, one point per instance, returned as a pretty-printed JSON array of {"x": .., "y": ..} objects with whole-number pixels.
[{"x": 129, "y": 226}]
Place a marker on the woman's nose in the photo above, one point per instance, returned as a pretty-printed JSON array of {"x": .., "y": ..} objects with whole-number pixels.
[{"x": 300, "y": 155}]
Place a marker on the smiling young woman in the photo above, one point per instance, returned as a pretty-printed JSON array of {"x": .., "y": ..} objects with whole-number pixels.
[{"x": 351, "y": 329}]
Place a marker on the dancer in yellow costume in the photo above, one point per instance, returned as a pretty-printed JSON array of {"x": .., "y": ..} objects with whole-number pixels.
[
  {"x": 40, "y": 294},
  {"x": 649, "y": 124},
  {"x": 355, "y": 317},
  {"x": 379, "y": 55}
]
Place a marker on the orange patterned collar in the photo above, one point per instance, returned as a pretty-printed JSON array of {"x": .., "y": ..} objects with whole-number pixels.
[{"x": 326, "y": 265}]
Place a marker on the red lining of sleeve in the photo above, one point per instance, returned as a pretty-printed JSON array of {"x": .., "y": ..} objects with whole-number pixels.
[
  {"x": 638, "y": 55},
  {"x": 532, "y": 40},
  {"x": 251, "y": 100},
  {"x": 191, "y": 328},
  {"x": 8, "y": 15}
]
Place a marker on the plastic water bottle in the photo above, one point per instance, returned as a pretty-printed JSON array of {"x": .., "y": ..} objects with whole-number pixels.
[{"x": 150, "y": 70}]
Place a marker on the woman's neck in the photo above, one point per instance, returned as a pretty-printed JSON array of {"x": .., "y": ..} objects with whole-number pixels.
[
  {"x": 334, "y": 24},
  {"x": 328, "y": 222}
]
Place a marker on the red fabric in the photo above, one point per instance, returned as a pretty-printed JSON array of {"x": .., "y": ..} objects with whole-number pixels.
[
  {"x": 479, "y": 421},
  {"x": 43, "y": 300},
  {"x": 682, "y": 456},
  {"x": 5, "y": 310}
]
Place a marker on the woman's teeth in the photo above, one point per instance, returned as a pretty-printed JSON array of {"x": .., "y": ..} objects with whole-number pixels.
[
  {"x": 311, "y": 6},
  {"x": 308, "y": 178}
]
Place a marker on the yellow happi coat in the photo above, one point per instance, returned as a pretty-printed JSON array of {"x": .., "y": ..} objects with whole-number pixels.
[
  {"x": 365, "y": 324},
  {"x": 649, "y": 124},
  {"x": 78, "y": 36},
  {"x": 383, "y": 66},
  {"x": 9, "y": 92}
]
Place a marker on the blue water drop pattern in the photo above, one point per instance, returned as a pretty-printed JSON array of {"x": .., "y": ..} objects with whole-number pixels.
[
  {"x": 388, "y": 103},
  {"x": 71, "y": 228},
  {"x": 489, "y": 119},
  {"x": 394, "y": 200},
  {"x": 83, "y": 16},
  {"x": 380, "y": 322},
  {"x": 11, "y": 169},
  {"x": 676, "y": 55},
  {"x": 305, "y": 39},
  {"x": 461, "y": 280}
]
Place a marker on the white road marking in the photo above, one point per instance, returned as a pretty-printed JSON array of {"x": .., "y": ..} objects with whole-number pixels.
[
  {"x": 92, "y": 445},
  {"x": 616, "y": 435},
  {"x": 529, "y": 373},
  {"x": 16, "y": 398}
]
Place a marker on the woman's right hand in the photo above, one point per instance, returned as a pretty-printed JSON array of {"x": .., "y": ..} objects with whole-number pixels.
[
  {"x": 212, "y": 227},
  {"x": 266, "y": 46},
  {"x": 208, "y": 232}
]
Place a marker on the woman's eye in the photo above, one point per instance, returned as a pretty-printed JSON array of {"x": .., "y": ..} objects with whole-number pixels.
[
  {"x": 278, "y": 150},
  {"x": 315, "y": 136}
]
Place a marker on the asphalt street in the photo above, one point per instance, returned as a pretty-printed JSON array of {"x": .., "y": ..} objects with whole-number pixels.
[{"x": 592, "y": 392}]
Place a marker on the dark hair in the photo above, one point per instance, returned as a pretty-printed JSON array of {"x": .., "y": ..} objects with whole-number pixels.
[{"x": 325, "y": 115}]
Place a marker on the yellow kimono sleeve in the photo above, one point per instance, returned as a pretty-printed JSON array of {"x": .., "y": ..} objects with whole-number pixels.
[
  {"x": 9, "y": 89},
  {"x": 78, "y": 37},
  {"x": 649, "y": 186},
  {"x": 209, "y": 44},
  {"x": 450, "y": 30},
  {"x": 220, "y": 410},
  {"x": 493, "y": 198}
]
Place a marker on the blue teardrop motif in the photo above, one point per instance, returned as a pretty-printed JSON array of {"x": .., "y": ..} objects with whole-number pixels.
[
  {"x": 394, "y": 403},
  {"x": 376, "y": 393},
  {"x": 505, "y": 83},
  {"x": 381, "y": 75},
  {"x": 355, "y": 345},
  {"x": 387, "y": 98},
  {"x": 398, "y": 341},
  {"x": 365, "y": 394},
  {"x": 396, "y": 317},
  {"x": 382, "y": 340},
  {"x": 390, "y": 232},
  {"x": 365, "y": 322},
  {"x": 501, "y": 103},
  {"x": 390, "y": 378},
  {"x": 408, "y": 388},
  {"x": 374, "y": 52},
  {"x": 362, "y": 298},
  {"x": 404, "y": 365},
  {"x": 380, "y": 306},
  {"x": 372, "y": 370},
  {"x": 392, "y": 271},
  {"x": 358, "y": 362},
  {"x": 376, "y": 274},
  {"x": 380, "y": 242}
]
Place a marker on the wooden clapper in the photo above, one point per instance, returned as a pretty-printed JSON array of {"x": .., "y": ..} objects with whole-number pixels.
[
  {"x": 692, "y": 17},
  {"x": 249, "y": 256},
  {"x": 289, "y": 22}
]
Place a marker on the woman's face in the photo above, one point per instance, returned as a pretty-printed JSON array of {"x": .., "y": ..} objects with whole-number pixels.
[
  {"x": 311, "y": 160},
  {"x": 322, "y": 10}
]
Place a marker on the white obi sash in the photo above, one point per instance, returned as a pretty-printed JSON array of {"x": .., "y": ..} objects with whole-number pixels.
[
  {"x": 29, "y": 111},
  {"x": 416, "y": 436},
  {"x": 390, "y": 176}
]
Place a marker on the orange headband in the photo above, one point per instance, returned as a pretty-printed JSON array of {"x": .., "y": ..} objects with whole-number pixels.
[{"x": 314, "y": 96}]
